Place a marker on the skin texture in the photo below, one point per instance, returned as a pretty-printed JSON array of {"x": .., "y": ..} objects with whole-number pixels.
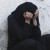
[
  {"x": 36, "y": 16},
  {"x": 36, "y": 13},
  {"x": 28, "y": 16}
]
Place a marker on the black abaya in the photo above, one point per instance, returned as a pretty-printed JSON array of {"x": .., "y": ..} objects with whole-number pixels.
[{"x": 25, "y": 38}]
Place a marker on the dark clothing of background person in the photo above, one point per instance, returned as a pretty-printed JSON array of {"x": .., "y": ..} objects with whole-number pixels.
[{"x": 21, "y": 35}]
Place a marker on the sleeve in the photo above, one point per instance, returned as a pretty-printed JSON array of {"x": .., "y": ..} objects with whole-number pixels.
[
  {"x": 14, "y": 32},
  {"x": 36, "y": 31}
]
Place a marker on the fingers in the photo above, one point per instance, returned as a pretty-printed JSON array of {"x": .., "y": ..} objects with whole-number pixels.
[{"x": 36, "y": 13}]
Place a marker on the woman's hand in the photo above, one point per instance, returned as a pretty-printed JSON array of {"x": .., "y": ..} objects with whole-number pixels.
[
  {"x": 36, "y": 13},
  {"x": 34, "y": 18}
]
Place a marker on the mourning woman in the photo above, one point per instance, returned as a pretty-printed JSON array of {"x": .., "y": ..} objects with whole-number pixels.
[{"x": 23, "y": 28}]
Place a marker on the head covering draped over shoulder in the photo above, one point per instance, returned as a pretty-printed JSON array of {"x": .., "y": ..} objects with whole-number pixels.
[
  {"x": 18, "y": 13},
  {"x": 17, "y": 35}
]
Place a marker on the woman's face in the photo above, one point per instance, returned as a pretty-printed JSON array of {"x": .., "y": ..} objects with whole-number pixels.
[{"x": 29, "y": 15}]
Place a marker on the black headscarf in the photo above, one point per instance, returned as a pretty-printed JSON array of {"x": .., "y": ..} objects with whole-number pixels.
[{"x": 18, "y": 13}]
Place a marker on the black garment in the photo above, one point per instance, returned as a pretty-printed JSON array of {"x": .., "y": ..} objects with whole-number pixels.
[
  {"x": 18, "y": 36},
  {"x": 32, "y": 32},
  {"x": 45, "y": 40},
  {"x": 26, "y": 38},
  {"x": 23, "y": 36},
  {"x": 28, "y": 44}
]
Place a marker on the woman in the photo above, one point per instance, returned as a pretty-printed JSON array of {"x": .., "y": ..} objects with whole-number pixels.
[{"x": 23, "y": 28}]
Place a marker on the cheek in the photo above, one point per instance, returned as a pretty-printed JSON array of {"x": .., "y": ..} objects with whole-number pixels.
[{"x": 30, "y": 15}]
